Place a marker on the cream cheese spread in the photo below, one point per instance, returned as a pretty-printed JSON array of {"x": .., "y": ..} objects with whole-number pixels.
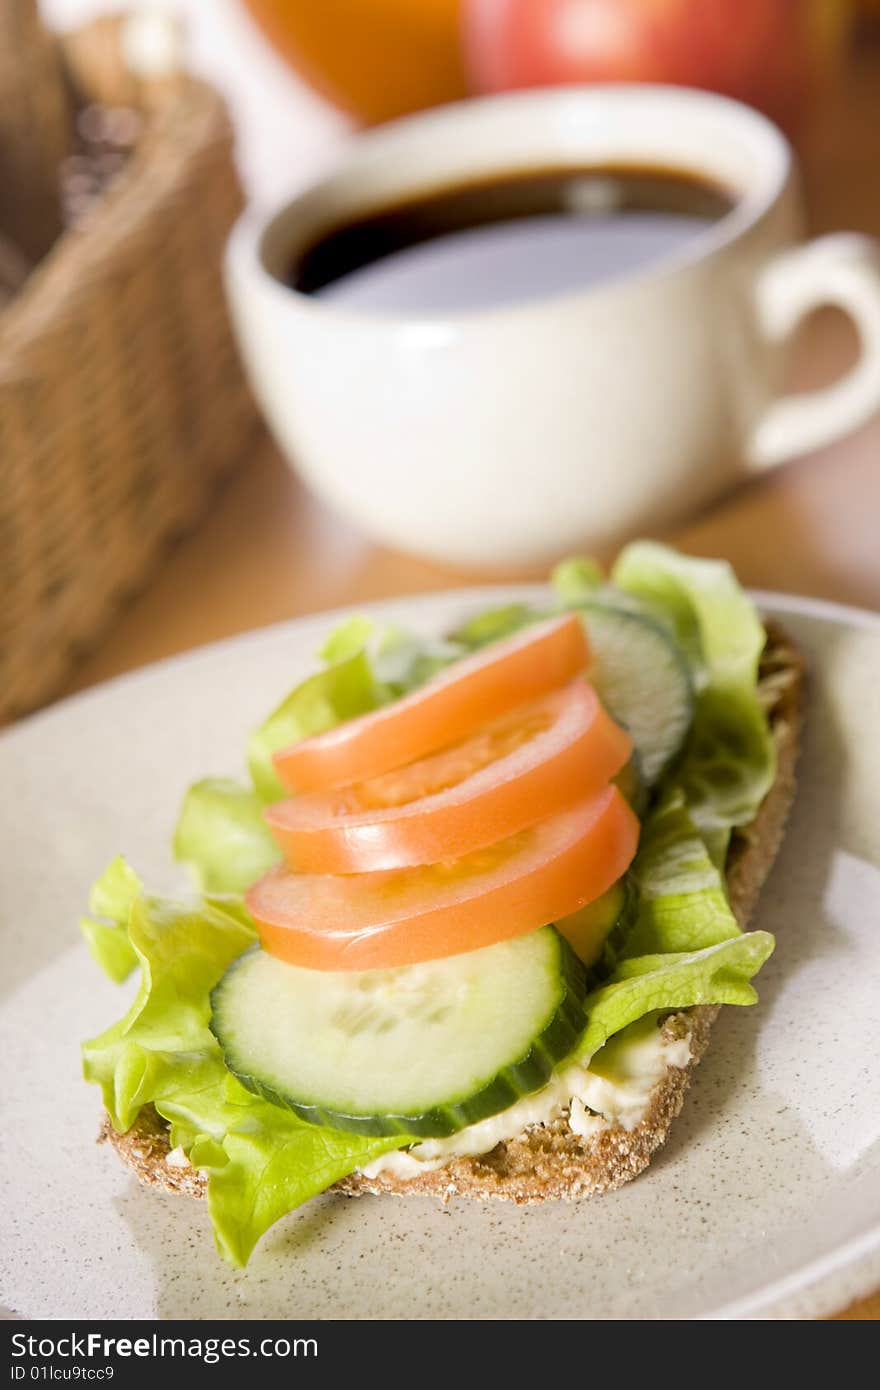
[{"x": 614, "y": 1088}]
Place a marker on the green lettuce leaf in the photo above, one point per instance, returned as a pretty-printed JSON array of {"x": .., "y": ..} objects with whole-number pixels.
[
  {"x": 494, "y": 624},
  {"x": 642, "y": 984},
  {"x": 261, "y": 1161},
  {"x": 681, "y": 897},
  {"x": 110, "y": 947},
  {"x": 182, "y": 949},
  {"x": 113, "y": 894},
  {"x": 729, "y": 760},
  {"x": 577, "y": 580},
  {"x": 105, "y": 931},
  {"x": 728, "y": 764},
  {"x": 272, "y": 1162},
  {"x": 350, "y": 638},
  {"x": 222, "y": 837},
  {"x": 683, "y": 945}
]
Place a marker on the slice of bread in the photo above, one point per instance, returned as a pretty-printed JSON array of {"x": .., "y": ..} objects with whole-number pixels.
[{"x": 550, "y": 1161}]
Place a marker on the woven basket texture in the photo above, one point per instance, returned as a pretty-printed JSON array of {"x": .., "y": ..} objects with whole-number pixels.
[
  {"x": 35, "y": 129},
  {"x": 122, "y": 401}
]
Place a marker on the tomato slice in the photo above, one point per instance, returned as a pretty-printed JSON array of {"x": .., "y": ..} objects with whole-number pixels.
[
  {"x": 403, "y": 916},
  {"x": 532, "y": 763},
  {"x": 472, "y": 692}
]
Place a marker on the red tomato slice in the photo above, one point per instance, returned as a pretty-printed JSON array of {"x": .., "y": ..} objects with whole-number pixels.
[
  {"x": 533, "y": 763},
  {"x": 402, "y": 916},
  {"x": 472, "y": 692}
]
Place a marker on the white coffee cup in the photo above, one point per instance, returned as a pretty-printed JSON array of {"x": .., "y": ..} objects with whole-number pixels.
[{"x": 508, "y": 436}]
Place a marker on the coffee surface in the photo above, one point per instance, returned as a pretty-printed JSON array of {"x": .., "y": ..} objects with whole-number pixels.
[{"x": 508, "y": 239}]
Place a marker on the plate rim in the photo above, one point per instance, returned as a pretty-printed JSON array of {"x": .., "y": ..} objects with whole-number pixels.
[{"x": 858, "y": 1258}]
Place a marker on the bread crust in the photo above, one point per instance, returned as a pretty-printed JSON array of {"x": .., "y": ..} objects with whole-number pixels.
[{"x": 551, "y": 1161}]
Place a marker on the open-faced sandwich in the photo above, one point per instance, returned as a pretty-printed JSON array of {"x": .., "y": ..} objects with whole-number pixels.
[{"x": 466, "y": 928}]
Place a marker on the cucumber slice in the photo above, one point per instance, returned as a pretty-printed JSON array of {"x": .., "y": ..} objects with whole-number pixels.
[
  {"x": 643, "y": 681},
  {"x": 421, "y": 1050}
]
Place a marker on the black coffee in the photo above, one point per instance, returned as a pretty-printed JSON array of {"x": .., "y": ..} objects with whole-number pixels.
[{"x": 509, "y": 239}]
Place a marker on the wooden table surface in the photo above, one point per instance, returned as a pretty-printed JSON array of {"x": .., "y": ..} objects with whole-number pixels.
[{"x": 268, "y": 551}]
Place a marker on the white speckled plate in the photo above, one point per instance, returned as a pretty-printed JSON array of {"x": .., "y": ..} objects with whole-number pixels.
[{"x": 765, "y": 1201}]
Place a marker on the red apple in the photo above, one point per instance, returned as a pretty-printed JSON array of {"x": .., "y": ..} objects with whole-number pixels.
[{"x": 760, "y": 51}]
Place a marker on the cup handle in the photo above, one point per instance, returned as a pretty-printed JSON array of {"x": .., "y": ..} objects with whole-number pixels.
[{"x": 843, "y": 270}]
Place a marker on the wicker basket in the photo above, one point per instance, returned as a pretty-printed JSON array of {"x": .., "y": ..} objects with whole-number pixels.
[
  {"x": 121, "y": 398},
  {"x": 35, "y": 129}
]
